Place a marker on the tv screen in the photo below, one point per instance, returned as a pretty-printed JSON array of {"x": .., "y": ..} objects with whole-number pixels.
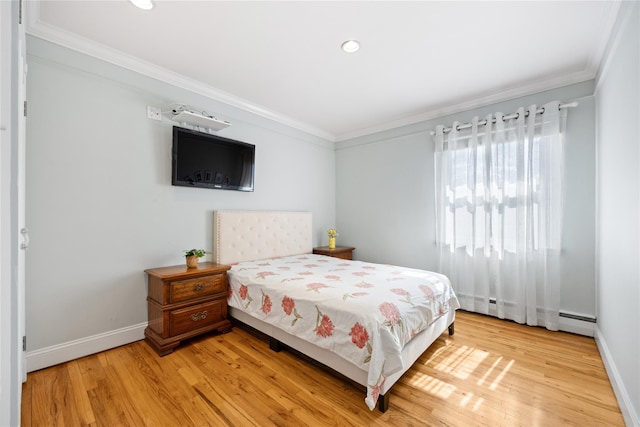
[{"x": 210, "y": 161}]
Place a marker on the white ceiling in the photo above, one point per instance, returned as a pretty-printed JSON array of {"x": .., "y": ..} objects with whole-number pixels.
[{"x": 282, "y": 60}]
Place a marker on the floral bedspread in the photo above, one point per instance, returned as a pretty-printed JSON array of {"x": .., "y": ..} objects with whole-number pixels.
[{"x": 361, "y": 311}]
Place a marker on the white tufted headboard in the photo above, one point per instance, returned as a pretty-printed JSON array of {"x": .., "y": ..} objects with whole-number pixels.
[{"x": 251, "y": 235}]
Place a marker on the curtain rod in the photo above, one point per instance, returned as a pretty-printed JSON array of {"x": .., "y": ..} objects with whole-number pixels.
[{"x": 507, "y": 117}]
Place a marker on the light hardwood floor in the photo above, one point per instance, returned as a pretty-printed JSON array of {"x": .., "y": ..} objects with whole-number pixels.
[{"x": 490, "y": 373}]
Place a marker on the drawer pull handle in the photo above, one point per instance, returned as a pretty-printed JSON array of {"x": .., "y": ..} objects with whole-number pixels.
[
  {"x": 199, "y": 316},
  {"x": 198, "y": 287}
]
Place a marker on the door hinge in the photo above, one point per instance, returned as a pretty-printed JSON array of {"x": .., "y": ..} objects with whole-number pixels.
[
  {"x": 24, "y": 343},
  {"x": 25, "y": 108},
  {"x": 20, "y": 12},
  {"x": 25, "y": 238}
]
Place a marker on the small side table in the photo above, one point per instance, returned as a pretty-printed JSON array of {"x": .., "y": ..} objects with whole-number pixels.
[
  {"x": 343, "y": 252},
  {"x": 184, "y": 302}
]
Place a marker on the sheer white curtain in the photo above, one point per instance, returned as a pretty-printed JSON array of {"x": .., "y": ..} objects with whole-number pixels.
[{"x": 499, "y": 193}]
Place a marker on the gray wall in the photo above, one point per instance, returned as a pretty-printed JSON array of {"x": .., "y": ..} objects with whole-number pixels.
[
  {"x": 100, "y": 205},
  {"x": 385, "y": 193},
  {"x": 618, "y": 293}
]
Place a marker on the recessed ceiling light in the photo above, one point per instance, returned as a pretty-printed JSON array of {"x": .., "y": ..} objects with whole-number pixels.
[
  {"x": 142, "y": 4},
  {"x": 351, "y": 46}
]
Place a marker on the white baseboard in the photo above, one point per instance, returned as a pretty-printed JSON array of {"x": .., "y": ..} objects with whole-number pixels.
[
  {"x": 629, "y": 414},
  {"x": 60, "y": 353}
]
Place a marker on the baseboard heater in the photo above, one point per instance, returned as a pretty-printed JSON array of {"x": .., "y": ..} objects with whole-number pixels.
[
  {"x": 565, "y": 314},
  {"x": 578, "y": 317}
]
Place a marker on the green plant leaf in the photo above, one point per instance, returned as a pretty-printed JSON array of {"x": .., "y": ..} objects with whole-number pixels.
[{"x": 195, "y": 252}]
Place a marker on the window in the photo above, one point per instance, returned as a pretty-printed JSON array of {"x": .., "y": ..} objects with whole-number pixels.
[{"x": 499, "y": 212}]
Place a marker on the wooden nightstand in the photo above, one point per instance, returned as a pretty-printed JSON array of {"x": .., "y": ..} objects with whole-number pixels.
[
  {"x": 339, "y": 252},
  {"x": 184, "y": 302}
]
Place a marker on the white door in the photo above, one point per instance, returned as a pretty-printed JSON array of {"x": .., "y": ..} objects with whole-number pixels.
[
  {"x": 12, "y": 160},
  {"x": 20, "y": 196},
  {"x": 5, "y": 223}
]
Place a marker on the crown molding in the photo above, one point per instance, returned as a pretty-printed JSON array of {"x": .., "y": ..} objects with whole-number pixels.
[
  {"x": 605, "y": 29},
  {"x": 37, "y": 28},
  {"x": 623, "y": 18},
  {"x": 72, "y": 41},
  {"x": 434, "y": 113}
]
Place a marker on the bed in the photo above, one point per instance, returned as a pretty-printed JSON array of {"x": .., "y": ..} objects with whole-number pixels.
[{"x": 369, "y": 322}]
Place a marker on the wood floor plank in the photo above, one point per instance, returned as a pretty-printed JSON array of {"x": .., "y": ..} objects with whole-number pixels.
[
  {"x": 232, "y": 408},
  {"x": 81, "y": 399},
  {"x": 200, "y": 413},
  {"x": 25, "y": 409},
  {"x": 106, "y": 405},
  {"x": 147, "y": 387},
  {"x": 490, "y": 373}
]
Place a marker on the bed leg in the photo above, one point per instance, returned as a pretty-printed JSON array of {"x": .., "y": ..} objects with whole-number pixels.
[
  {"x": 383, "y": 402},
  {"x": 274, "y": 344},
  {"x": 451, "y": 329}
]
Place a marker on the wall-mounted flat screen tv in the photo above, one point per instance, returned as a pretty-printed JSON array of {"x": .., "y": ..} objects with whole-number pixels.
[{"x": 210, "y": 161}]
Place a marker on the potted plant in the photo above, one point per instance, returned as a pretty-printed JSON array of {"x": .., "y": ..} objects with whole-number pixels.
[
  {"x": 193, "y": 255},
  {"x": 332, "y": 232}
]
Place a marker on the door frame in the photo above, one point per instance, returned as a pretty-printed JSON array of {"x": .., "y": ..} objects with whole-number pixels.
[{"x": 12, "y": 161}]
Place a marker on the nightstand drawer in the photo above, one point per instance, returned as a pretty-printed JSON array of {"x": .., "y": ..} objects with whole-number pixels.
[
  {"x": 194, "y": 288},
  {"x": 197, "y": 316},
  {"x": 342, "y": 252},
  {"x": 345, "y": 255}
]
